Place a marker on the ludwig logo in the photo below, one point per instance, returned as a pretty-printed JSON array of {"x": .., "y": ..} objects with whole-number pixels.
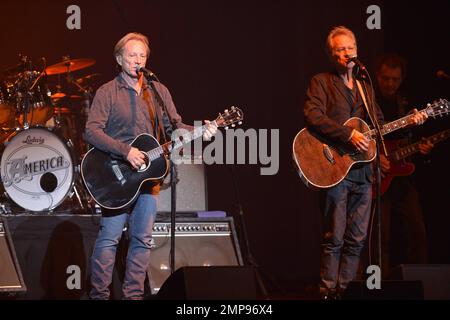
[{"x": 33, "y": 140}]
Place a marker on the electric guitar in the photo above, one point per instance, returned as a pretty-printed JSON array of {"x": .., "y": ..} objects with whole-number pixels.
[
  {"x": 397, "y": 155},
  {"x": 114, "y": 184},
  {"x": 323, "y": 163}
]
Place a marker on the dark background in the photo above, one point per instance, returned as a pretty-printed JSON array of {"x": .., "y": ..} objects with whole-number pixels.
[{"x": 258, "y": 56}]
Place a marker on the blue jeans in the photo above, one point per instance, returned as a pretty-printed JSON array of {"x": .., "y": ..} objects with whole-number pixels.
[
  {"x": 347, "y": 215},
  {"x": 140, "y": 225}
]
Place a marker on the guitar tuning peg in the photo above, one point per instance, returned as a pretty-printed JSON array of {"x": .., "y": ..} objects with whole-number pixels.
[
  {"x": 226, "y": 128},
  {"x": 232, "y": 108},
  {"x": 240, "y": 122},
  {"x": 233, "y": 125},
  {"x": 226, "y": 111}
]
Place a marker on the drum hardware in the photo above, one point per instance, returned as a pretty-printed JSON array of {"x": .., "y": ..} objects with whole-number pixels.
[
  {"x": 37, "y": 169},
  {"x": 5, "y": 208},
  {"x": 36, "y": 174}
]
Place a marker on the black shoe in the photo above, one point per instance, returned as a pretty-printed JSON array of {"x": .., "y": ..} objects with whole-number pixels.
[{"x": 329, "y": 294}]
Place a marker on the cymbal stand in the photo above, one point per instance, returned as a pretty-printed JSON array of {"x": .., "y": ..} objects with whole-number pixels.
[{"x": 87, "y": 94}]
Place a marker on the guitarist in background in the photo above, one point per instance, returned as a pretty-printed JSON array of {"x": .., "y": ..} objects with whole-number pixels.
[
  {"x": 400, "y": 203},
  {"x": 332, "y": 98},
  {"x": 122, "y": 109}
]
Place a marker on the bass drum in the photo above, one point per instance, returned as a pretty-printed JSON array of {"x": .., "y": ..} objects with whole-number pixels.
[{"x": 37, "y": 169}]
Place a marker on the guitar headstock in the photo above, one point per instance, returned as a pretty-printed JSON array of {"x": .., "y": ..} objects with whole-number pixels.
[
  {"x": 438, "y": 108},
  {"x": 230, "y": 118}
]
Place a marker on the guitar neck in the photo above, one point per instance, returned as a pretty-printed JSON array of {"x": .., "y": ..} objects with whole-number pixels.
[
  {"x": 394, "y": 125},
  {"x": 179, "y": 142},
  {"x": 414, "y": 147}
]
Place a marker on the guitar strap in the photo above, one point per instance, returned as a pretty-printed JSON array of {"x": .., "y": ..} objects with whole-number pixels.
[
  {"x": 148, "y": 97},
  {"x": 361, "y": 91},
  {"x": 363, "y": 96},
  {"x": 160, "y": 117}
]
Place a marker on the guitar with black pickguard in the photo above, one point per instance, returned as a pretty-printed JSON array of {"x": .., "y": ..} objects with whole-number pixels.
[{"x": 114, "y": 184}]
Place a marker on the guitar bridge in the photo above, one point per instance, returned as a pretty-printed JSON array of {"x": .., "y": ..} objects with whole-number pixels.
[
  {"x": 328, "y": 154},
  {"x": 118, "y": 173}
]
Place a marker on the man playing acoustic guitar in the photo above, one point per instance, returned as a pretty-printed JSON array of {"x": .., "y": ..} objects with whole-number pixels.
[
  {"x": 332, "y": 98},
  {"x": 122, "y": 109}
]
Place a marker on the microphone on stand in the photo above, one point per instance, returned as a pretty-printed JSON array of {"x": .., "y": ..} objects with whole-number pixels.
[
  {"x": 147, "y": 73},
  {"x": 355, "y": 59}
]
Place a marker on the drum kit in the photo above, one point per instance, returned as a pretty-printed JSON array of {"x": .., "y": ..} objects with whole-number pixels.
[{"x": 41, "y": 135}]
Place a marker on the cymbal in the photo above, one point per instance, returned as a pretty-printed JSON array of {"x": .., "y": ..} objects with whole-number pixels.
[
  {"x": 60, "y": 95},
  {"x": 87, "y": 78},
  {"x": 69, "y": 66},
  {"x": 13, "y": 70}
]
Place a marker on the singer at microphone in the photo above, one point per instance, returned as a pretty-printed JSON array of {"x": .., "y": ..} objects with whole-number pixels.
[
  {"x": 355, "y": 59},
  {"x": 147, "y": 73}
]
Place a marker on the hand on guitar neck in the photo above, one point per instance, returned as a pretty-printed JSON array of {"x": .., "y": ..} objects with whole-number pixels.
[
  {"x": 418, "y": 118},
  {"x": 425, "y": 146}
]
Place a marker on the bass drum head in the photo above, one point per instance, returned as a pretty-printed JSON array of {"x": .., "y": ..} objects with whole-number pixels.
[{"x": 37, "y": 169}]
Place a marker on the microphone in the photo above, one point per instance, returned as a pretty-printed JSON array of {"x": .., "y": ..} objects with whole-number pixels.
[
  {"x": 442, "y": 75},
  {"x": 147, "y": 73},
  {"x": 355, "y": 59}
]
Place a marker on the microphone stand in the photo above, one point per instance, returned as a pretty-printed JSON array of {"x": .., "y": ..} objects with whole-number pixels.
[
  {"x": 379, "y": 141},
  {"x": 173, "y": 193}
]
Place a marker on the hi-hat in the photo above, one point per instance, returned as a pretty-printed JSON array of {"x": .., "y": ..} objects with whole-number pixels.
[
  {"x": 60, "y": 95},
  {"x": 69, "y": 65}
]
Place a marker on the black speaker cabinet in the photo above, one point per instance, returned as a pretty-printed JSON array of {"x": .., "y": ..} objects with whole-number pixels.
[
  {"x": 210, "y": 283},
  {"x": 47, "y": 246},
  {"x": 11, "y": 280},
  {"x": 198, "y": 242},
  {"x": 435, "y": 278},
  {"x": 390, "y": 290},
  {"x": 190, "y": 187}
]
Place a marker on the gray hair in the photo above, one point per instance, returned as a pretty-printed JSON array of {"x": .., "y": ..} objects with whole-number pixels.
[
  {"x": 337, "y": 31},
  {"x": 118, "y": 48}
]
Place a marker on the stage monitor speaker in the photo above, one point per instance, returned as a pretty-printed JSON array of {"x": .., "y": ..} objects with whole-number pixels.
[
  {"x": 198, "y": 242},
  {"x": 390, "y": 290},
  {"x": 11, "y": 280},
  {"x": 190, "y": 187},
  {"x": 210, "y": 283},
  {"x": 435, "y": 278}
]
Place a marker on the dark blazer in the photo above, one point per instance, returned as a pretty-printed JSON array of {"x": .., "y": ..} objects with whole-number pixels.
[{"x": 328, "y": 105}]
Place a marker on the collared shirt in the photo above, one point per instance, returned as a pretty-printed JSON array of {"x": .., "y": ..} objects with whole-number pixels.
[{"x": 118, "y": 114}]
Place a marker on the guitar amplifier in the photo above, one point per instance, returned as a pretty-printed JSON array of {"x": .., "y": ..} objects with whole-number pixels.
[
  {"x": 190, "y": 189},
  {"x": 198, "y": 242}
]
